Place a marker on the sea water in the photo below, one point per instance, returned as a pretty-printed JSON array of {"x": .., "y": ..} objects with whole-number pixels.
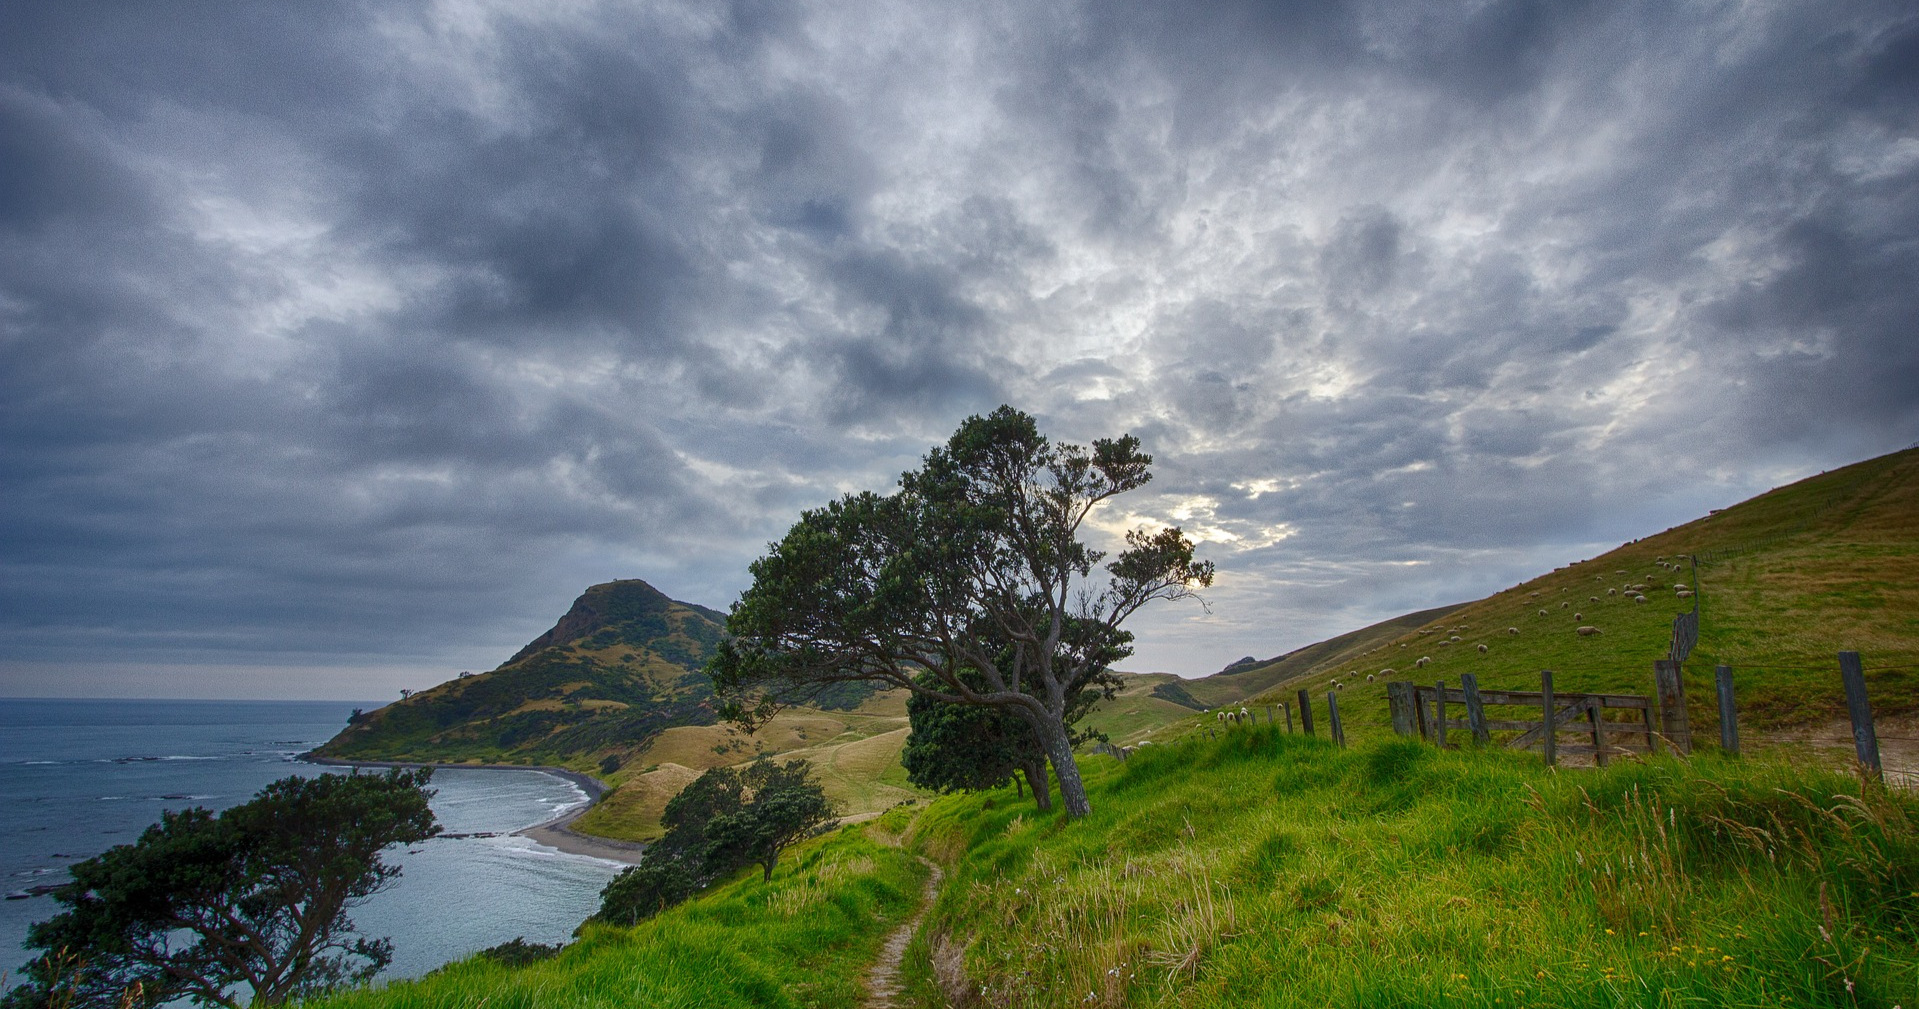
[{"x": 80, "y": 776}]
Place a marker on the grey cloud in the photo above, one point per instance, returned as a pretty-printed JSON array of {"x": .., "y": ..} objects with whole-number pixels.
[{"x": 349, "y": 331}]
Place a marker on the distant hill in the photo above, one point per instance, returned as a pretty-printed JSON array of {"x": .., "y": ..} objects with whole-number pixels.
[{"x": 619, "y": 667}]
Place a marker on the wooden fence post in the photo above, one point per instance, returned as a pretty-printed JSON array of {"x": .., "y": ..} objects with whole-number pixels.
[
  {"x": 1288, "y": 709},
  {"x": 1306, "y": 710},
  {"x": 1475, "y": 711},
  {"x": 1550, "y": 736},
  {"x": 1269, "y": 716},
  {"x": 1596, "y": 723},
  {"x": 1439, "y": 723},
  {"x": 1332, "y": 718},
  {"x": 1399, "y": 694},
  {"x": 1865, "y": 741},
  {"x": 1671, "y": 689},
  {"x": 1728, "y": 714}
]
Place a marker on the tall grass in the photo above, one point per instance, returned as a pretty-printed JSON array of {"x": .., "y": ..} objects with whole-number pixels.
[
  {"x": 1271, "y": 870},
  {"x": 803, "y": 940}
]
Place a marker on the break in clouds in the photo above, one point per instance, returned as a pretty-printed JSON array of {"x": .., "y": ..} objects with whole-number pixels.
[{"x": 339, "y": 337}]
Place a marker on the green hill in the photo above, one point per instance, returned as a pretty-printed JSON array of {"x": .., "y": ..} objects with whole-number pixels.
[
  {"x": 620, "y": 667},
  {"x": 1784, "y": 582}
]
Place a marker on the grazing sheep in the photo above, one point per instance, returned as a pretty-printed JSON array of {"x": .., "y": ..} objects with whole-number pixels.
[
  {"x": 1639, "y": 599},
  {"x": 1565, "y": 605},
  {"x": 1445, "y": 644},
  {"x": 1369, "y": 677},
  {"x": 1483, "y": 650},
  {"x": 1612, "y": 592},
  {"x": 1542, "y": 613},
  {"x": 1388, "y": 672},
  {"x": 1684, "y": 593},
  {"x": 1587, "y": 631},
  {"x": 1453, "y": 638},
  {"x": 1680, "y": 586},
  {"x": 1592, "y": 599},
  {"x": 1424, "y": 660},
  {"x": 1579, "y": 616},
  {"x": 1512, "y": 630}
]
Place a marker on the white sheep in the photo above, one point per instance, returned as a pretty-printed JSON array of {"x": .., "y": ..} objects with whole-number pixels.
[
  {"x": 1639, "y": 599},
  {"x": 1513, "y": 631},
  {"x": 1542, "y": 613},
  {"x": 1422, "y": 662},
  {"x": 1453, "y": 638},
  {"x": 1388, "y": 672},
  {"x": 1586, "y": 631},
  {"x": 1592, "y": 599},
  {"x": 1612, "y": 592},
  {"x": 1565, "y": 605},
  {"x": 1483, "y": 649},
  {"x": 1680, "y": 586},
  {"x": 1684, "y": 593},
  {"x": 1579, "y": 616},
  {"x": 1369, "y": 677}
]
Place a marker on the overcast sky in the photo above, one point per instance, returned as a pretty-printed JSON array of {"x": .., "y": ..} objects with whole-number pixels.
[{"x": 342, "y": 345}]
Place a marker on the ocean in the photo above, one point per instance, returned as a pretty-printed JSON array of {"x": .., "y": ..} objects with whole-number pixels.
[{"x": 80, "y": 776}]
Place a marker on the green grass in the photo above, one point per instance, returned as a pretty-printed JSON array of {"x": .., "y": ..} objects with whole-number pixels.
[
  {"x": 803, "y": 940},
  {"x": 1274, "y": 870}
]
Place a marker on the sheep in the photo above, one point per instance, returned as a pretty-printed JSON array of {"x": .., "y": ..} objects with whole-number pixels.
[
  {"x": 1423, "y": 661},
  {"x": 1542, "y": 613},
  {"x": 1483, "y": 649},
  {"x": 1592, "y": 599},
  {"x": 1623, "y": 571},
  {"x": 1680, "y": 586},
  {"x": 1639, "y": 599},
  {"x": 1565, "y": 605},
  {"x": 1579, "y": 616},
  {"x": 1369, "y": 677},
  {"x": 1445, "y": 644},
  {"x": 1586, "y": 631},
  {"x": 1388, "y": 672},
  {"x": 1684, "y": 593},
  {"x": 1453, "y": 638},
  {"x": 1612, "y": 592},
  {"x": 1513, "y": 631}
]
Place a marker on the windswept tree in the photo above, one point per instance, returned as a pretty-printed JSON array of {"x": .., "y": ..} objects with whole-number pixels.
[
  {"x": 255, "y": 898},
  {"x": 974, "y": 564}
]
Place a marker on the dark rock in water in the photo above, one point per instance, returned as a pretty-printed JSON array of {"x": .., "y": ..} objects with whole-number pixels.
[
  {"x": 33, "y": 891},
  {"x": 185, "y": 797}
]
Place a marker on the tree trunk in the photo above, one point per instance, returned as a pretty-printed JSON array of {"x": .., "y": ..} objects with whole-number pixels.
[
  {"x": 1036, "y": 777},
  {"x": 767, "y": 865},
  {"x": 1059, "y": 750}
]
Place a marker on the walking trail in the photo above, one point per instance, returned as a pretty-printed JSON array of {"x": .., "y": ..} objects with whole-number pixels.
[{"x": 883, "y": 981}]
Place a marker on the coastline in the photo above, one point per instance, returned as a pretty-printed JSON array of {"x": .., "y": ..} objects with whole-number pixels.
[{"x": 554, "y": 833}]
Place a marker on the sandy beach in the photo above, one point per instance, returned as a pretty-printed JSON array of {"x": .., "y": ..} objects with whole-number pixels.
[{"x": 553, "y": 833}]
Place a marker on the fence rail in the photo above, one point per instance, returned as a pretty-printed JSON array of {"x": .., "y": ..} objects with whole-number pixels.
[{"x": 1661, "y": 719}]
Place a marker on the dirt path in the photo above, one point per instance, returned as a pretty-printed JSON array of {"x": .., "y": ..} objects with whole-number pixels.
[{"x": 883, "y": 981}]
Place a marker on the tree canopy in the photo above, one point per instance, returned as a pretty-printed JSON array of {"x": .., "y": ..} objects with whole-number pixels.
[
  {"x": 974, "y": 564},
  {"x": 723, "y": 820},
  {"x": 974, "y": 747},
  {"x": 255, "y": 897}
]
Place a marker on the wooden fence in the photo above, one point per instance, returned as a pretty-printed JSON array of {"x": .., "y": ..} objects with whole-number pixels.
[{"x": 1650, "y": 723}]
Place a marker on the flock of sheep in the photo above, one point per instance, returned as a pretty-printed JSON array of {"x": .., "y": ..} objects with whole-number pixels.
[{"x": 1635, "y": 591}]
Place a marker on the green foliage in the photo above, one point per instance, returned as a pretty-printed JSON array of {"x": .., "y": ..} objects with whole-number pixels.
[
  {"x": 519, "y": 952},
  {"x": 256, "y": 896},
  {"x": 723, "y": 820},
  {"x": 1274, "y": 870}
]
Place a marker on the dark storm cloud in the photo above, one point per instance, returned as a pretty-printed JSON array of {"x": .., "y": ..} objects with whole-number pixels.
[{"x": 341, "y": 333}]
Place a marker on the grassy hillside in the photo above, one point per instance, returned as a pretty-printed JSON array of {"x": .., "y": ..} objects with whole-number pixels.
[
  {"x": 802, "y": 940},
  {"x": 1273, "y": 870},
  {"x": 855, "y": 754},
  {"x": 1784, "y": 581}
]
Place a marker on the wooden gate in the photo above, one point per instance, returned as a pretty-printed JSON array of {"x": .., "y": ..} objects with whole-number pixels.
[{"x": 1433, "y": 713}]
